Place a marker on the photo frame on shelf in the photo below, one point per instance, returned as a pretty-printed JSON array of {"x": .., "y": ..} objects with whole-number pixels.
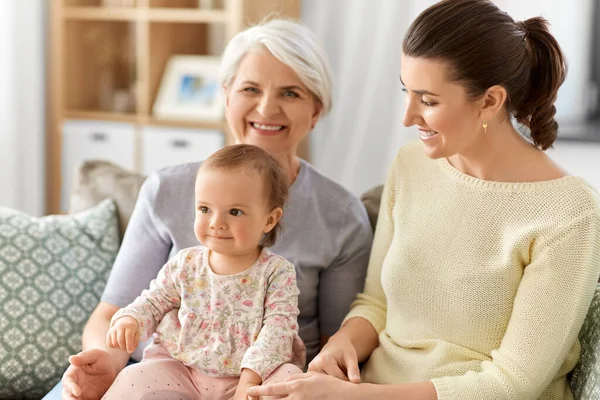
[{"x": 190, "y": 90}]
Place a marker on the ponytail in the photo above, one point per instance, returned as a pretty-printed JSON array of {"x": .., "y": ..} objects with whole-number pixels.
[{"x": 548, "y": 69}]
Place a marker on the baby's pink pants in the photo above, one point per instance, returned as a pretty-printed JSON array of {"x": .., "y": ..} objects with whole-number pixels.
[{"x": 160, "y": 377}]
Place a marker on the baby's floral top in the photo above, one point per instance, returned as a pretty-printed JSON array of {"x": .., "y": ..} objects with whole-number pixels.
[{"x": 221, "y": 323}]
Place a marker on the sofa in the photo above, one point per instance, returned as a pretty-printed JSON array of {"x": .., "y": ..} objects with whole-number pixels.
[{"x": 53, "y": 271}]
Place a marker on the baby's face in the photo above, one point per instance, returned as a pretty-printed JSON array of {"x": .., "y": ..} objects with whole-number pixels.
[{"x": 232, "y": 212}]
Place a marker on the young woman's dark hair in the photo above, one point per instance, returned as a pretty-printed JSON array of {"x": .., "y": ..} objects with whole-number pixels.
[{"x": 484, "y": 47}]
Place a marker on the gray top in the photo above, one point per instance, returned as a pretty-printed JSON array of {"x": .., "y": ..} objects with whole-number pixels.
[{"x": 325, "y": 234}]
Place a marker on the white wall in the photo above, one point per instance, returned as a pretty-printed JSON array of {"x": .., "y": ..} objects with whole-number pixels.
[
  {"x": 22, "y": 104},
  {"x": 579, "y": 159}
]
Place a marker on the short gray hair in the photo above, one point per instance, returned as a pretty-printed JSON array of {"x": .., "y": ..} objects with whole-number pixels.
[{"x": 290, "y": 42}]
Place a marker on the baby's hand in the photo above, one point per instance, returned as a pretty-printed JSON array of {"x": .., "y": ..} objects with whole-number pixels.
[{"x": 124, "y": 334}]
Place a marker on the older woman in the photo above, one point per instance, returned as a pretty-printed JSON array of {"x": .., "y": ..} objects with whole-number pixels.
[
  {"x": 277, "y": 84},
  {"x": 486, "y": 253}
]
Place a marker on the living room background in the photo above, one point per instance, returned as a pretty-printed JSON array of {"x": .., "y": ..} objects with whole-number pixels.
[{"x": 353, "y": 145}]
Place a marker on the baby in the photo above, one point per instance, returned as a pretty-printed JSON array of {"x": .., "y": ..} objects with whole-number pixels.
[{"x": 224, "y": 313}]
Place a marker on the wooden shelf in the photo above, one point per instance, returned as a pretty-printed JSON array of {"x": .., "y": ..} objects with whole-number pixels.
[
  {"x": 142, "y": 119},
  {"x": 102, "y": 116},
  {"x": 101, "y": 13},
  {"x": 153, "y": 15},
  {"x": 99, "y": 54},
  {"x": 183, "y": 15},
  {"x": 220, "y": 126}
]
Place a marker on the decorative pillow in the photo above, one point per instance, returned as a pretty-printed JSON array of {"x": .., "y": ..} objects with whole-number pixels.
[
  {"x": 585, "y": 380},
  {"x": 372, "y": 200},
  {"x": 52, "y": 272},
  {"x": 98, "y": 180}
]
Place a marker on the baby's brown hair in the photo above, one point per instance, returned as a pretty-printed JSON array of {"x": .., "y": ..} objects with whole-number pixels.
[{"x": 253, "y": 157}]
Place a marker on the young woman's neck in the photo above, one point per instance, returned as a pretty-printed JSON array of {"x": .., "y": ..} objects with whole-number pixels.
[
  {"x": 499, "y": 155},
  {"x": 223, "y": 264}
]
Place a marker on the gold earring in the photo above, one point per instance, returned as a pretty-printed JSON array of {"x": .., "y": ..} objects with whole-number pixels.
[{"x": 484, "y": 126}]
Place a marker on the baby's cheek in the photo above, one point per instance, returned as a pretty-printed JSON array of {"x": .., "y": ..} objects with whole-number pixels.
[
  {"x": 244, "y": 234},
  {"x": 198, "y": 227},
  {"x": 247, "y": 235}
]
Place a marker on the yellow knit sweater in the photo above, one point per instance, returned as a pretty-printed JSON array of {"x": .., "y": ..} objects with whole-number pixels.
[{"x": 479, "y": 286}]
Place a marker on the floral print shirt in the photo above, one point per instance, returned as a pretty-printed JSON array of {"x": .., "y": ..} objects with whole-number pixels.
[{"x": 221, "y": 323}]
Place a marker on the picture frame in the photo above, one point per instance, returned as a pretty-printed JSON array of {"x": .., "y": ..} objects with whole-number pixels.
[{"x": 190, "y": 90}]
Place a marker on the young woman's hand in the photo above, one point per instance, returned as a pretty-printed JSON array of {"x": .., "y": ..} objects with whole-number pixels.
[
  {"x": 312, "y": 385},
  {"x": 124, "y": 334},
  {"x": 338, "y": 358}
]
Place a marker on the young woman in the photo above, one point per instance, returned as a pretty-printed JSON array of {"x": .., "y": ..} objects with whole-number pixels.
[{"x": 486, "y": 253}]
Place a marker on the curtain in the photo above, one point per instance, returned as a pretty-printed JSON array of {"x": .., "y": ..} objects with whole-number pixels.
[
  {"x": 22, "y": 104},
  {"x": 7, "y": 121},
  {"x": 356, "y": 143}
]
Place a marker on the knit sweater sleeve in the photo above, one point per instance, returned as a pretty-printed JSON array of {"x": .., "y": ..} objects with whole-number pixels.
[
  {"x": 372, "y": 304},
  {"x": 549, "y": 308}
]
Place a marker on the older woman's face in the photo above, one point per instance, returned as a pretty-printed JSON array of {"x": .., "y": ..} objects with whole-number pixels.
[{"x": 268, "y": 106}]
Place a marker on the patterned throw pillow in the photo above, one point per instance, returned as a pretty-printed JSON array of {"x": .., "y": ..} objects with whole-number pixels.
[
  {"x": 52, "y": 272},
  {"x": 585, "y": 380}
]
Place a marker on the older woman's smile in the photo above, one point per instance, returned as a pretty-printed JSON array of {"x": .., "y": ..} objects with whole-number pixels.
[{"x": 267, "y": 129}]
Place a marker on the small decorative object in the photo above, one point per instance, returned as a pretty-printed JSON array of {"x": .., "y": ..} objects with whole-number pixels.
[
  {"x": 122, "y": 101},
  {"x": 205, "y": 4},
  {"x": 190, "y": 90}
]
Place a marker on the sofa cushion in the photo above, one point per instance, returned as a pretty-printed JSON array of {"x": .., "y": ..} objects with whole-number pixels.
[
  {"x": 52, "y": 272},
  {"x": 98, "y": 180},
  {"x": 372, "y": 200},
  {"x": 585, "y": 379}
]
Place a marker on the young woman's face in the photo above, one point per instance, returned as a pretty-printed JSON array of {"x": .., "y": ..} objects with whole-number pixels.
[
  {"x": 231, "y": 211},
  {"x": 268, "y": 106},
  {"x": 449, "y": 122}
]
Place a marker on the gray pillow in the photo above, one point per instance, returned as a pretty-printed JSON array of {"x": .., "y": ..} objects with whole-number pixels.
[
  {"x": 585, "y": 380},
  {"x": 98, "y": 180},
  {"x": 372, "y": 200},
  {"x": 52, "y": 272}
]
